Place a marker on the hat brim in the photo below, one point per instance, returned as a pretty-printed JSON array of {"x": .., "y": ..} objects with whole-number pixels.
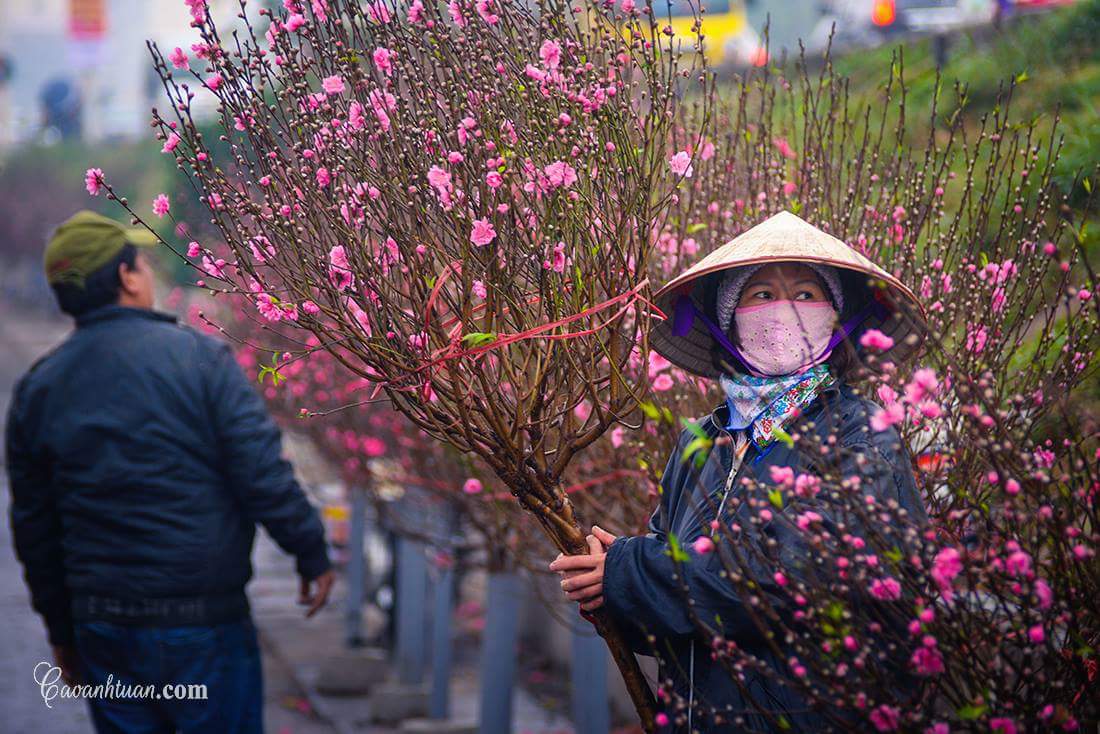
[
  {"x": 140, "y": 237},
  {"x": 782, "y": 238}
]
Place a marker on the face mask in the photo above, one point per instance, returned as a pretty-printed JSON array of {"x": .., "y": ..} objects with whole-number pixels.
[{"x": 785, "y": 337}]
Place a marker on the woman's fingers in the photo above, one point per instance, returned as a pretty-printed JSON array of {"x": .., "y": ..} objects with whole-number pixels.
[
  {"x": 581, "y": 580},
  {"x": 586, "y": 594},
  {"x": 595, "y": 547},
  {"x": 604, "y": 537},
  {"x": 596, "y": 603},
  {"x": 570, "y": 563}
]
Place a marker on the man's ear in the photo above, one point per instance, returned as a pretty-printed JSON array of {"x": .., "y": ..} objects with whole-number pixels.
[{"x": 126, "y": 276}]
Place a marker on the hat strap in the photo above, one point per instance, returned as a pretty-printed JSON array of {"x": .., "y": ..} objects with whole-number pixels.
[{"x": 685, "y": 314}]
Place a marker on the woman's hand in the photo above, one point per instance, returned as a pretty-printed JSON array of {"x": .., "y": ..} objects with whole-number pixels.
[{"x": 582, "y": 576}]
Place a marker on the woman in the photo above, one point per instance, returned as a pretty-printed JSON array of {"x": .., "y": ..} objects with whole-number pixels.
[{"x": 773, "y": 315}]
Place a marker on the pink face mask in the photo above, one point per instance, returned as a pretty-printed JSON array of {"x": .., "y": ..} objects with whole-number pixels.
[{"x": 785, "y": 337}]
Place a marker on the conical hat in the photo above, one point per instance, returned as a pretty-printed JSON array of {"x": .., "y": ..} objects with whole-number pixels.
[{"x": 782, "y": 238}]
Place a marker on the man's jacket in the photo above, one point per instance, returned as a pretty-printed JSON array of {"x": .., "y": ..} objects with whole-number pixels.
[
  {"x": 140, "y": 459},
  {"x": 644, "y": 589}
]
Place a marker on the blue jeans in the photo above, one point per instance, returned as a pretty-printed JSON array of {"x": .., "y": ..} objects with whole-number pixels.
[{"x": 223, "y": 657}]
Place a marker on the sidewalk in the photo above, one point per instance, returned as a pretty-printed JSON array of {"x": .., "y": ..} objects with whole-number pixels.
[{"x": 302, "y": 647}]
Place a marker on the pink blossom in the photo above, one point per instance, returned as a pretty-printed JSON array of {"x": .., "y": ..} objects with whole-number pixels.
[
  {"x": 485, "y": 10},
  {"x": 160, "y": 205},
  {"x": 663, "y": 382},
  {"x": 1044, "y": 594},
  {"x": 171, "y": 143},
  {"x": 455, "y": 11},
  {"x": 93, "y": 181},
  {"x": 550, "y": 53},
  {"x": 616, "y": 437},
  {"x": 784, "y": 148},
  {"x": 295, "y": 21},
  {"x": 493, "y": 179},
  {"x": 661, "y": 719},
  {"x": 782, "y": 475},
  {"x": 213, "y": 268},
  {"x": 310, "y": 307},
  {"x": 875, "y": 339},
  {"x": 355, "y": 116},
  {"x": 378, "y": 12},
  {"x": 323, "y": 177},
  {"x": 1036, "y": 634},
  {"x": 975, "y": 340},
  {"x": 339, "y": 271},
  {"x": 886, "y": 589},
  {"x": 478, "y": 289},
  {"x": 886, "y": 718},
  {"x": 927, "y": 661},
  {"x": 213, "y": 82},
  {"x": 1002, "y": 725},
  {"x": 945, "y": 567},
  {"x": 681, "y": 164},
  {"x": 381, "y": 102},
  {"x": 261, "y": 248},
  {"x": 193, "y": 249},
  {"x": 178, "y": 58},
  {"x": 383, "y": 60},
  {"x": 333, "y": 84},
  {"x": 703, "y": 545},
  {"x": 482, "y": 232},
  {"x": 806, "y": 519},
  {"x": 1018, "y": 563},
  {"x": 886, "y": 417},
  {"x": 472, "y": 486},
  {"x": 416, "y": 12},
  {"x": 560, "y": 174},
  {"x": 1084, "y": 294}
]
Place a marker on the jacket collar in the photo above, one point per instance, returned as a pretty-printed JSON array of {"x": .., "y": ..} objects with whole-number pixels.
[{"x": 114, "y": 311}]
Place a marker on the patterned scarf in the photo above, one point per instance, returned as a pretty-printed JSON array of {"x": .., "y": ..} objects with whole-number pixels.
[{"x": 767, "y": 403}]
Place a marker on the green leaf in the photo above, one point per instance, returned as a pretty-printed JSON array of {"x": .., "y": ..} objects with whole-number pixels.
[
  {"x": 783, "y": 437},
  {"x": 677, "y": 550},
  {"x": 1086, "y": 184},
  {"x": 477, "y": 338},
  {"x": 651, "y": 411},
  {"x": 893, "y": 555},
  {"x": 694, "y": 446},
  {"x": 695, "y": 428},
  {"x": 775, "y": 496},
  {"x": 971, "y": 712},
  {"x": 273, "y": 370},
  {"x": 783, "y": 723},
  {"x": 1022, "y": 77},
  {"x": 697, "y": 227}
]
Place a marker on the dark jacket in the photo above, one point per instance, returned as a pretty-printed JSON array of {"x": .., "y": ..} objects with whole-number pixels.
[
  {"x": 140, "y": 459},
  {"x": 643, "y": 587}
]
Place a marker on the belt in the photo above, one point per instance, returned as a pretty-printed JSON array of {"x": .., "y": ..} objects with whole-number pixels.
[{"x": 190, "y": 610}]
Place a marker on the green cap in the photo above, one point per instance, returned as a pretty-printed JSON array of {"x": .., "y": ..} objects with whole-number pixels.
[{"x": 87, "y": 241}]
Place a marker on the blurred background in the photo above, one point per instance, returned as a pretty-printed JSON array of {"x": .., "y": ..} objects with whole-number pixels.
[{"x": 76, "y": 88}]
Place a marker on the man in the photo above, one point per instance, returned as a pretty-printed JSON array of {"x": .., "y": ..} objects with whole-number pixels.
[{"x": 140, "y": 459}]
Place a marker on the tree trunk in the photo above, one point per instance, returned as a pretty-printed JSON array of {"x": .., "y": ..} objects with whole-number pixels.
[{"x": 636, "y": 684}]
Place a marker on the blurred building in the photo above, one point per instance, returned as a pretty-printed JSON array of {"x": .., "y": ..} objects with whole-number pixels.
[{"x": 80, "y": 68}]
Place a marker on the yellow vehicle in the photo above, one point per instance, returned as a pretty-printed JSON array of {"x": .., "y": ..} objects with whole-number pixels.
[{"x": 728, "y": 39}]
